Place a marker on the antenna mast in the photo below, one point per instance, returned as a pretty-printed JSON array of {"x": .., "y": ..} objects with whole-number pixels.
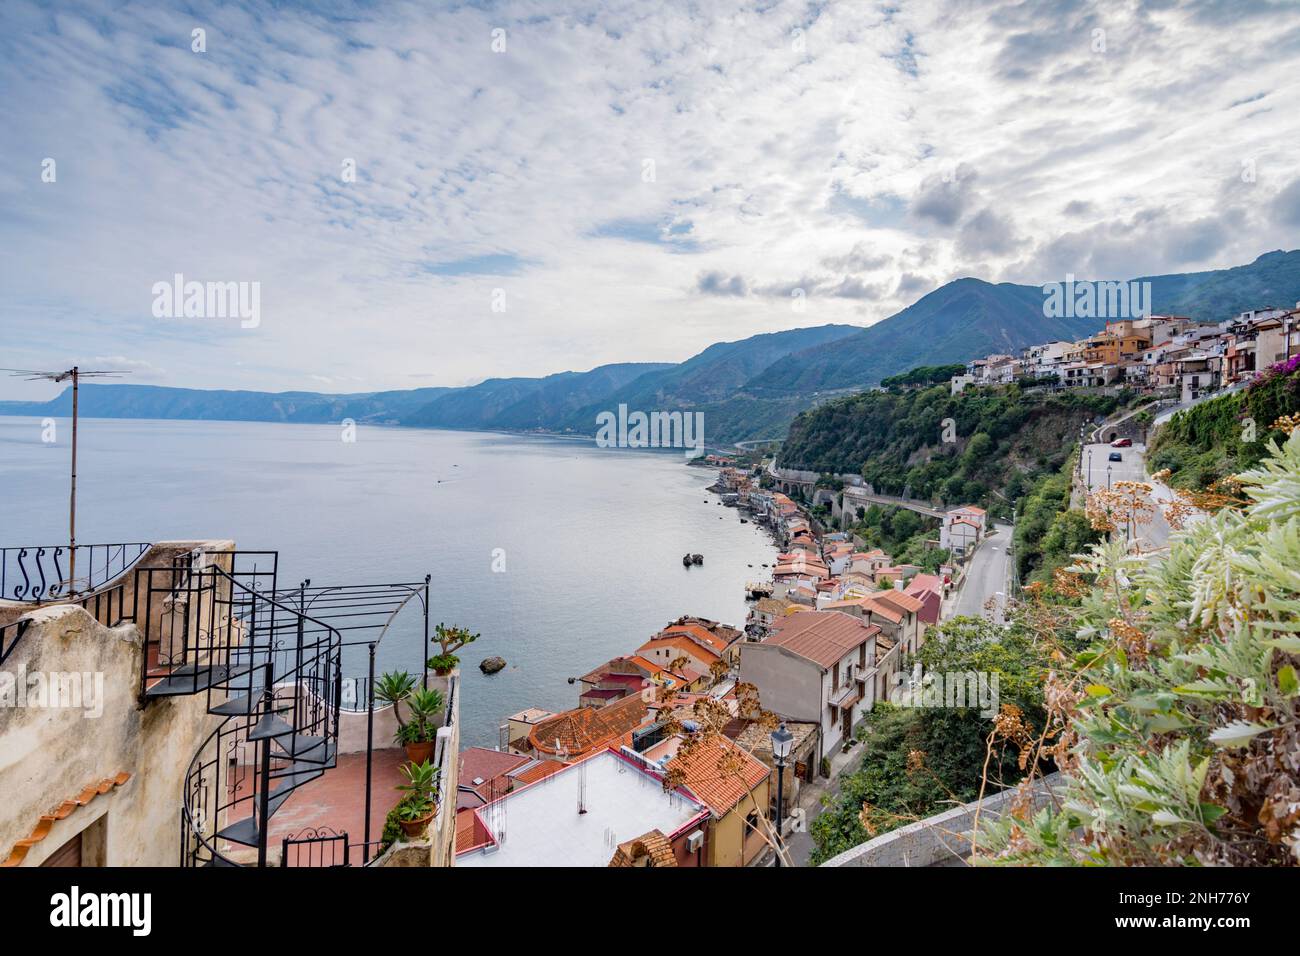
[{"x": 75, "y": 375}]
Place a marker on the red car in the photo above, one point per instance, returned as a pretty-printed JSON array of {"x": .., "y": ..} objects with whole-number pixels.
[{"x": 1122, "y": 443}]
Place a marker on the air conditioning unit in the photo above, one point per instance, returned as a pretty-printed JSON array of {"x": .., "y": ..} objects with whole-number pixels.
[{"x": 695, "y": 841}]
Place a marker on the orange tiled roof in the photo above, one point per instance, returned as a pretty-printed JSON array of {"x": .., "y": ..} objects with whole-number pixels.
[
  {"x": 822, "y": 637},
  {"x": 62, "y": 812},
  {"x": 653, "y": 847},
  {"x": 719, "y": 773},
  {"x": 539, "y": 771},
  {"x": 470, "y": 831},
  {"x": 900, "y": 599},
  {"x": 705, "y": 654},
  {"x": 699, "y": 633},
  {"x": 584, "y": 729}
]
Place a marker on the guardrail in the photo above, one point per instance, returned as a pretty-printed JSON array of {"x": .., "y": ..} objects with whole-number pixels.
[{"x": 43, "y": 573}]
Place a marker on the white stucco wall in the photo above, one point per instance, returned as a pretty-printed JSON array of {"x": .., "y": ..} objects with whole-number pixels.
[{"x": 50, "y": 755}]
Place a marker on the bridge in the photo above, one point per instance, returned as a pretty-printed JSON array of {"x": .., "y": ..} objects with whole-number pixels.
[
  {"x": 856, "y": 492},
  {"x": 863, "y": 495}
]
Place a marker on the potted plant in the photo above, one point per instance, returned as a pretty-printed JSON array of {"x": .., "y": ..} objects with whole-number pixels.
[
  {"x": 417, "y": 807},
  {"x": 450, "y": 640},
  {"x": 419, "y": 734}
]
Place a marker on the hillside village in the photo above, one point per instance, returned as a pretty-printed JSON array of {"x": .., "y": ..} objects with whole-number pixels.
[
  {"x": 831, "y": 632},
  {"x": 827, "y": 636},
  {"x": 1151, "y": 353}
]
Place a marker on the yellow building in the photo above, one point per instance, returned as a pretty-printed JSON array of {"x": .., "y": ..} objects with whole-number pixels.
[{"x": 733, "y": 784}]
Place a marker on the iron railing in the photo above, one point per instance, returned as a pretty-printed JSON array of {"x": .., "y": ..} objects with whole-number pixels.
[
  {"x": 10, "y": 634},
  {"x": 188, "y": 616},
  {"x": 316, "y": 847},
  {"x": 42, "y": 573}
]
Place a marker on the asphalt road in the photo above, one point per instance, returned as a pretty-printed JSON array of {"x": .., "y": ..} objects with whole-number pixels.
[
  {"x": 987, "y": 577},
  {"x": 1133, "y": 468}
]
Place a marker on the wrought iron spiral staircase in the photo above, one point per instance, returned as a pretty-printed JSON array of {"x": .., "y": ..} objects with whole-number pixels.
[{"x": 271, "y": 673}]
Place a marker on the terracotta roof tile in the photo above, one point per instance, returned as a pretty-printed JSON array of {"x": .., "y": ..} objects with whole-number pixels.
[
  {"x": 822, "y": 637},
  {"x": 719, "y": 773},
  {"x": 584, "y": 729},
  {"x": 653, "y": 847},
  {"x": 47, "y": 820},
  {"x": 705, "y": 654}
]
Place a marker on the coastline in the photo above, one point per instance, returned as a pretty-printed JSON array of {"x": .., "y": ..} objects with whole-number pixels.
[{"x": 512, "y": 433}]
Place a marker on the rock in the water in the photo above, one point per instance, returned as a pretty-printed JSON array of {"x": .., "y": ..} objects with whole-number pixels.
[{"x": 491, "y": 665}]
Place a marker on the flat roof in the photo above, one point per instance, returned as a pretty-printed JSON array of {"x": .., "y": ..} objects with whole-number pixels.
[{"x": 540, "y": 825}]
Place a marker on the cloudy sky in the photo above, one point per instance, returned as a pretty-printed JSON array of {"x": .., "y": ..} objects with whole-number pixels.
[{"x": 555, "y": 185}]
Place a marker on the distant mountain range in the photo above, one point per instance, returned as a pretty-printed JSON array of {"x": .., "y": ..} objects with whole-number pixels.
[
  {"x": 968, "y": 318},
  {"x": 749, "y": 389}
]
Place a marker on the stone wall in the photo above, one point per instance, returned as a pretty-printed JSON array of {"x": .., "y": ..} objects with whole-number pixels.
[{"x": 941, "y": 840}]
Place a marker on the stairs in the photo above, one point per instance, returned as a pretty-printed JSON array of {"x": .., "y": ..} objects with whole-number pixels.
[{"x": 273, "y": 677}]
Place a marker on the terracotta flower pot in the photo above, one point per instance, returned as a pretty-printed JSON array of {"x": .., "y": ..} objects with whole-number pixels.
[
  {"x": 416, "y": 828},
  {"x": 419, "y": 753}
]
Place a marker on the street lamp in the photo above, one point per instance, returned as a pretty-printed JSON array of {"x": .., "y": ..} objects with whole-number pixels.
[
  {"x": 781, "y": 741},
  {"x": 1090, "y": 469},
  {"x": 1108, "y": 467}
]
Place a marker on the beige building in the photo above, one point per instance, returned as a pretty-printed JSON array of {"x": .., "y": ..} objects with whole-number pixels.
[{"x": 166, "y": 713}]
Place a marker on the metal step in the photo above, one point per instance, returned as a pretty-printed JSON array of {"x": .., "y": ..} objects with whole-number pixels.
[
  {"x": 320, "y": 759},
  {"x": 269, "y": 727},
  {"x": 244, "y": 831},
  {"x": 192, "y": 678},
  {"x": 304, "y": 748}
]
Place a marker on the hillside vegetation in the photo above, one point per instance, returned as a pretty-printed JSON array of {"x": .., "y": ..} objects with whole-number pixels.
[
  {"x": 1177, "y": 728},
  {"x": 1048, "y": 532},
  {"x": 1228, "y": 434},
  {"x": 1001, "y": 440}
]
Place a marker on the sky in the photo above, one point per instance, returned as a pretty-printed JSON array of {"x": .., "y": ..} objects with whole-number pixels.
[{"x": 435, "y": 193}]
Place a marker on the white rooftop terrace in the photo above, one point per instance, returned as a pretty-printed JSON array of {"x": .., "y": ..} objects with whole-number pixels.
[{"x": 544, "y": 828}]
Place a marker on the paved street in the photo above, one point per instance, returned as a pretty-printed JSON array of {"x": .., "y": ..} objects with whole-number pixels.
[
  {"x": 800, "y": 843},
  {"x": 1132, "y": 468},
  {"x": 987, "y": 577}
]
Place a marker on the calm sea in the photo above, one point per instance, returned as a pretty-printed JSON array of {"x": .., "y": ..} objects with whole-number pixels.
[{"x": 592, "y": 538}]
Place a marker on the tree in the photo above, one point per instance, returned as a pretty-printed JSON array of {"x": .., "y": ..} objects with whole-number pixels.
[
  {"x": 920, "y": 760},
  {"x": 450, "y": 640}
]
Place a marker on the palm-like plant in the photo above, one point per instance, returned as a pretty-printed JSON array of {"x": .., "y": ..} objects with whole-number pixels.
[
  {"x": 394, "y": 688},
  {"x": 426, "y": 704},
  {"x": 421, "y": 789}
]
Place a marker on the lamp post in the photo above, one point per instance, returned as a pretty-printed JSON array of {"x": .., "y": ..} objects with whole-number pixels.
[
  {"x": 1090, "y": 469},
  {"x": 781, "y": 741},
  {"x": 1108, "y": 467}
]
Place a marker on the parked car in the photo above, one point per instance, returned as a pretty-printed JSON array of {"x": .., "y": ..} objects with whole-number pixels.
[
  {"x": 1116, "y": 456},
  {"x": 1122, "y": 443}
]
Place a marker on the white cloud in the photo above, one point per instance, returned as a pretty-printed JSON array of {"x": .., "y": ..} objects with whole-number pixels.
[{"x": 774, "y": 164}]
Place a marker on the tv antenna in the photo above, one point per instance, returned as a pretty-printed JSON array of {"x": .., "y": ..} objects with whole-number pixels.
[{"x": 74, "y": 374}]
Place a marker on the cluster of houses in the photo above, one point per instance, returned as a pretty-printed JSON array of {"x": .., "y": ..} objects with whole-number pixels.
[
  {"x": 610, "y": 782},
  {"x": 1165, "y": 353},
  {"x": 612, "y": 753}
]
